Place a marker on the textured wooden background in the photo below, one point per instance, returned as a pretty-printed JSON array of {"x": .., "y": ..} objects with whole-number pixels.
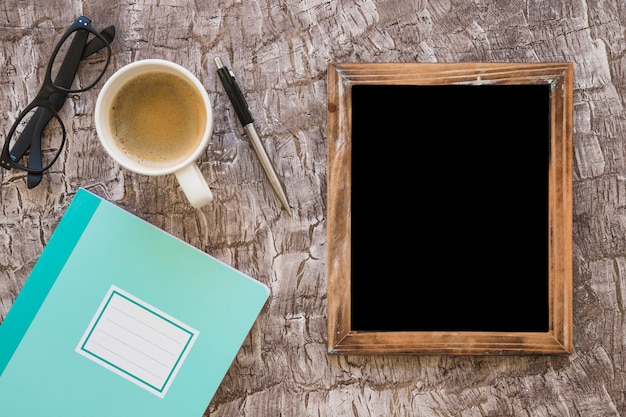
[{"x": 280, "y": 50}]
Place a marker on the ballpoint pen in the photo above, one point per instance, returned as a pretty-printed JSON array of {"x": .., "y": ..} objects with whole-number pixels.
[{"x": 245, "y": 117}]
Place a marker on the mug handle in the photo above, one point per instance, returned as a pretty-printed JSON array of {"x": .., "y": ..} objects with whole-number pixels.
[{"x": 194, "y": 185}]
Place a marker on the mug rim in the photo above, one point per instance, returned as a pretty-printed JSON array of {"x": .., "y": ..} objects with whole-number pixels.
[{"x": 108, "y": 92}]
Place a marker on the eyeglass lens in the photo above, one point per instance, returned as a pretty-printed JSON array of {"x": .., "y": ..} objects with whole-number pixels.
[
  {"x": 38, "y": 121},
  {"x": 69, "y": 70}
]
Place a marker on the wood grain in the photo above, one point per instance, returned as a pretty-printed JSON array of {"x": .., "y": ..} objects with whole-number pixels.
[{"x": 280, "y": 51}]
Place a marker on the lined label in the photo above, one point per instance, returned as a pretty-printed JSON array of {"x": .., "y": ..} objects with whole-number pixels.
[{"x": 137, "y": 341}]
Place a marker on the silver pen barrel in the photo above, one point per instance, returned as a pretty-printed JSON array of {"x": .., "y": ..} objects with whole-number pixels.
[{"x": 255, "y": 140}]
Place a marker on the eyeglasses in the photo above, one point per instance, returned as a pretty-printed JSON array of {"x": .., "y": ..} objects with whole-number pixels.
[{"x": 38, "y": 135}]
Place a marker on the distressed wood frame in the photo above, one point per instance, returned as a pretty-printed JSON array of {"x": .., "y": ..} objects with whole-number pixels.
[{"x": 558, "y": 340}]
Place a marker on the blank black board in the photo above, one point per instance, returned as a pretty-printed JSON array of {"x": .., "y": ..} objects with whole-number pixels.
[{"x": 450, "y": 207}]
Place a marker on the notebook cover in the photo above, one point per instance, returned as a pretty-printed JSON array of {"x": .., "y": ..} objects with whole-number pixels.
[{"x": 119, "y": 318}]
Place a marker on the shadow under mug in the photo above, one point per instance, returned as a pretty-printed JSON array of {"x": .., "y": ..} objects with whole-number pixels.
[{"x": 184, "y": 166}]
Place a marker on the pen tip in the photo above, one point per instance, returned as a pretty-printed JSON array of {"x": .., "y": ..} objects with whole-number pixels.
[{"x": 218, "y": 62}]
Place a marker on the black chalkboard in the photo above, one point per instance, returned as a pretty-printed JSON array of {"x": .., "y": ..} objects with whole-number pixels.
[{"x": 450, "y": 207}]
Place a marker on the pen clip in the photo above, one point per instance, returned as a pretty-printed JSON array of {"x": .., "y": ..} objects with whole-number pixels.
[
  {"x": 234, "y": 93},
  {"x": 246, "y": 114}
]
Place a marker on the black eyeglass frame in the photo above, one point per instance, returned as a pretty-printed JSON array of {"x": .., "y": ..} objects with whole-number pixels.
[{"x": 49, "y": 87}]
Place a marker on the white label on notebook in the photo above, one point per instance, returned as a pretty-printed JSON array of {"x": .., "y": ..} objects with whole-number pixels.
[{"x": 137, "y": 341}]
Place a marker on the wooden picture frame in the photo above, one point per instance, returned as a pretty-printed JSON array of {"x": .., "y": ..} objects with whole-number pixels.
[{"x": 557, "y": 338}]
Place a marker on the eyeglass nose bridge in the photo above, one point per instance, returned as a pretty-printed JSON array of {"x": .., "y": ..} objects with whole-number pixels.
[{"x": 46, "y": 95}]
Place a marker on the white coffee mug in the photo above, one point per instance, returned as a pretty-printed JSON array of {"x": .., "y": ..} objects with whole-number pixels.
[{"x": 154, "y": 117}]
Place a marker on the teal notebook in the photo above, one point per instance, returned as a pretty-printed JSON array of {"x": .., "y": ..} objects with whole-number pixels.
[{"x": 119, "y": 318}]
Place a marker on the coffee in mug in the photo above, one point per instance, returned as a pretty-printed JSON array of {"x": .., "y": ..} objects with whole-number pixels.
[
  {"x": 154, "y": 117},
  {"x": 157, "y": 118}
]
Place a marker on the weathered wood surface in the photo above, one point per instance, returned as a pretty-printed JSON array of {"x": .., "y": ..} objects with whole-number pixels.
[{"x": 280, "y": 51}]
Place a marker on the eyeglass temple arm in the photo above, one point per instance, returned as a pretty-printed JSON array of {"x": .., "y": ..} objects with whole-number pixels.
[
  {"x": 95, "y": 44},
  {"x": 64, "y": 78}
]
